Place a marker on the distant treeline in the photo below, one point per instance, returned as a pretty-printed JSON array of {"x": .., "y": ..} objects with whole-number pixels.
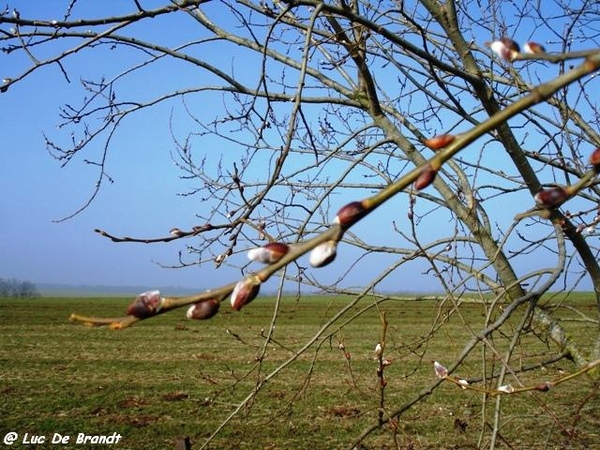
[{"x": 11, "y": 287}]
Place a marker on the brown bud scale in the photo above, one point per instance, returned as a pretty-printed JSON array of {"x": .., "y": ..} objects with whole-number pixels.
[
  {"x": 552, "y": 197},
  {"x": 350, "y": 214},
  {"x": 534, "y": 48},
  {"x": 505, "y": 48},
  {"x": 277, "y": 248},
  {"x": 203, "y": 310},
  {"x": 426, "y": 177},
  {"x": 145, "y": 305},
  {"x": 595, "y": 159},
  {"x": 269, "y": 253},
  {"x": 439, "y": 142},
  {"x": 544, "y": 387},
  {"x": 245, "y": 291}
]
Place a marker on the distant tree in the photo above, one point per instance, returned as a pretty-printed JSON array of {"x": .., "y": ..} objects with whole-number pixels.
[
  {"x": 5, "y": 288},
  {"x": 11, "y": 287},
  {"x": 28, "y": 290},
  {"x": 483, "y": 156}
]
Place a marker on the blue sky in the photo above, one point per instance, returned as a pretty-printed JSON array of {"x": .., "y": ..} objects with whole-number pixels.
[
  {"x": 36, "y": 191},
  {"x": 142, "y": 202}
]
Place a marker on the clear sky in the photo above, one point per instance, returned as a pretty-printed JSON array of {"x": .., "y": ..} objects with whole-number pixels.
[
  {"x": 36, "y": 191},
  {"x": 143, "y": 202}
]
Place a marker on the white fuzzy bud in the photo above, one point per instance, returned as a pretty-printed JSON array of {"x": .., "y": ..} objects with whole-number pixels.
[
  {"x": 440, "y": 370},
  {"x": 463, "y": 383},
  {"x": 323, "y": 254},
  {"x": 506, "y": 389},
  {"x": 269, "y": 253}
]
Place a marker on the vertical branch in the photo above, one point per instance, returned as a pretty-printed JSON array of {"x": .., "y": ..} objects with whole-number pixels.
[
  {"x": 382, "y": 363},
  {"x": 347, "y": 358}
]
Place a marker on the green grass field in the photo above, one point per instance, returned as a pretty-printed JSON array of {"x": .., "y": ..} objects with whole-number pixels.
[{"x": 167, "y": 378}]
